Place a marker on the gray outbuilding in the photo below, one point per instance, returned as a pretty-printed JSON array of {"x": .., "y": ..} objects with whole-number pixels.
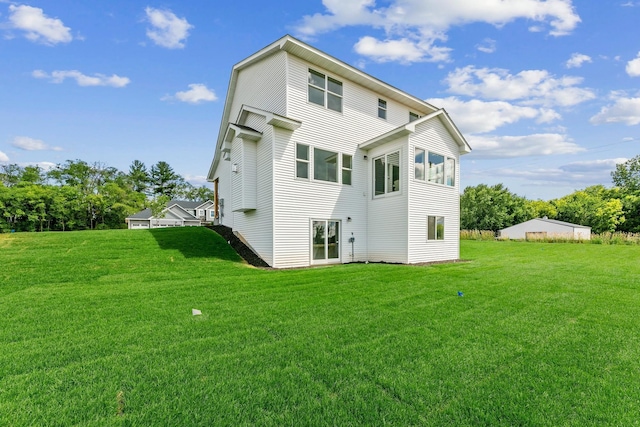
[{"x": 541, "y": 228}]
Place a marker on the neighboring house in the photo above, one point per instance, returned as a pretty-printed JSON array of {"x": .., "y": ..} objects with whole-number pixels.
[
  {"x": 178, "y": 213},
  {"x": 541, "y": 228},
  {"x": 317, "y": 162}
]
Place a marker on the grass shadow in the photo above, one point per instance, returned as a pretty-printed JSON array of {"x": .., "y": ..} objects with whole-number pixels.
[{"x": 195, "y": 242}]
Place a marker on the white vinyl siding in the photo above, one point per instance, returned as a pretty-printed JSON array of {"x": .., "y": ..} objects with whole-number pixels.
[
  {"x": 297, "y": 202},
  {"x": 387, "y": 216},
  {"x": 426, "y": 199}
]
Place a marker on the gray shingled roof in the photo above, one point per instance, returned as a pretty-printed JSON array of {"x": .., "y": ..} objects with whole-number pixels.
[
  {"x": 143, "y": 214},
  {"x": 184, "y": 204}
]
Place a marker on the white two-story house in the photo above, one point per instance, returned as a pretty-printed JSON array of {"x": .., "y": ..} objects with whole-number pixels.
[{"x": 318, "y": 162}]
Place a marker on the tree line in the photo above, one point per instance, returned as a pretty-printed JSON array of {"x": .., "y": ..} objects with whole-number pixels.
[
  {"x": 614, "y": 209},
  {"x": 76, "y": 195}
]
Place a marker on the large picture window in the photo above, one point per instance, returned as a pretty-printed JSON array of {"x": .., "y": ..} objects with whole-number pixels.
[
  {"x": 435, "y": 228},
  {"x": 325, "y": 91},
  {"x": 325, "y": 165},
  {"x": 434, "y": 167},
  {"x": 386, "y": 173}
]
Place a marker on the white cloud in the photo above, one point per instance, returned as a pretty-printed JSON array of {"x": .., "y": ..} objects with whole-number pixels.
[
  {"x": 487, "y": 46},
  {"x": 197, "y": 180},
  {"x": 530, "y": 87},
  {"x": 3, "y": 157},
  {"x": 167, "y": 29},
  {"x": 196, "y": 94},
  {"x": 623, "y": 110},
  {"x": 37, "y": 26},
  {"x": 82, "y": 79},
  {"x": 403, "y": 50},
  {"x": 575, "y": 175},
  {"x": 31, "y": 144},
  {"x": 577, "y": 59},
  {"x": 425, "y": 22},
  {"x": 477, "y": 116},
  {"x": 542, "y": 144},
  {"x": 633, "y": 67}
]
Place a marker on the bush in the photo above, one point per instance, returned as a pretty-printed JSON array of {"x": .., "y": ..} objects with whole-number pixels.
[{"x": 477, "y": 235}]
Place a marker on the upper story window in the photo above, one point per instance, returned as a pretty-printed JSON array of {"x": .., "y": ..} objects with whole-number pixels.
[
  {"x": 382, "y": 109},
  {"x": 302, "y": 161},
  {"x": 325, "y": 91},
  {"x": 386, "y": 174},
  {"x": 413, "y": 116},
  {"x": 434, "y": 167}
]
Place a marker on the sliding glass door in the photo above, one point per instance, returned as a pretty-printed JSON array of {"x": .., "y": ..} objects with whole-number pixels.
[{"x": 325, "y": 238}]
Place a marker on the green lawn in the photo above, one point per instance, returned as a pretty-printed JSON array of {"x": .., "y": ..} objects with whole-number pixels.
[{"x": 96, "y": 329}]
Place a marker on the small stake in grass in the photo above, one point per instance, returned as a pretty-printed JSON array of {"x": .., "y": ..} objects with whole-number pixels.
[
  {"x": 196, "y": 312},
  {"x": 120, "y": 400}
]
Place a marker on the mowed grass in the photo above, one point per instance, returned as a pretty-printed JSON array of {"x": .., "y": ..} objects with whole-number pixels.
[{"x": 96, "y": 329}]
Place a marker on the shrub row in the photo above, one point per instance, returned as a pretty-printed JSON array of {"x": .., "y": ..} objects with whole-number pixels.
[{"x": 617, "y": 238}]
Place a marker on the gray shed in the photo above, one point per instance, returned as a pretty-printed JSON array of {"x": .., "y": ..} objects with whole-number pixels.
[{"x": 540, "y": 228}]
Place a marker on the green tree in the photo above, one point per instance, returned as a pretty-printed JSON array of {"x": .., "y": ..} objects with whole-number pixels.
[
  {"x": 492, "y": 207},
  {"x": 139, "y": 176},
  {"x": 199, "y": 194},
  {"x": 164, "y": 180},
  {"x": 542, "y": 208},
  {"x": 10, "y": 174},
  {"x": 595, "y": 206},
  {"x": 627, "y": 175}
]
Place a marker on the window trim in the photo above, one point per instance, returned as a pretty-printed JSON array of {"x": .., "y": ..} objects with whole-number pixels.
[
  {"x": 382, "y": 109},
  {"x": 425, "y": 168},
  {"x": 436, "y": 219},
  {"x": 326, "y": 91},
  {"x": 338, "y": 242},
  {"x": 337, "y": 167},
  {"x": 343, "y": 168},
  {"x": 306, "y": 161},
  {"x": 385, "y": 163}
]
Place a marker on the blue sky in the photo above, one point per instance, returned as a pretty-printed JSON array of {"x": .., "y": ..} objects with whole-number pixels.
[{"x": 546, "y": 92}]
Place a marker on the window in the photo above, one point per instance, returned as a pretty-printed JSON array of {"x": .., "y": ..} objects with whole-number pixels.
[
  {"x": 413, "y": 116},
  {"x": 435, "y": 228},
  {"x": 302, "y": 161},
  {"x": 347, "y": 167},
  {"x": 212, "y": 213},
  {"x": 450, "y": 172},
  {"x": 325, "y": 91},
  {"x": 386, "y": 174},
  {"x": 325, "y": 165},
  {"x": 434, "y": 167},
  {"x": 200, "y": 212},
  {"x": 419, "y": 164},
  {"x": 382, "y": 109}
]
